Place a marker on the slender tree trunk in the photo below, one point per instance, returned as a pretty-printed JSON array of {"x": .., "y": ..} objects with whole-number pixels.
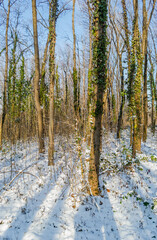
[
  {"x": 153, "y": 91},
  {"x": 120, "y": 117},
  {"x": 89, "y": 74},
  {"x": 75, "y": 80},
  {"x": 113, "y": 101},
  {"x": 4, "y": 110},
  {"x": 14, "y": 77},
  {"x": 44, "y": 61},
  {"x": 110, "y": 115},
  {"x": 43, "y": 85},
  {"x": 136, "y": 146},
  {"x": 36, "y": 80},
  {"x": 130, "y": 93},
  {"x": 155, "y": 87},
  {"x": 145, "y": 117},
  {"x": 146, "y": 23},
  {"x": 52, "y": 35},
  {"x": 105, "y": 111},
  {"x": 126, "y": 29},
  {"x": 78, "y": 91},
  {"x": 66, "y": 90},
  {"x": 84, "y": 93},
  {"x": 145, "y": 123},
  {"x": 57, "y": 84},
  {"x": 13, "y": 110},
  {"x": 22, "y": 79},
  {"x": 90, "y": 42},
  {"x": 152, "y": 94}
]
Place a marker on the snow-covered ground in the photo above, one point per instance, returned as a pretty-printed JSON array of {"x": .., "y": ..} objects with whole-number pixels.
[{"x": 48, "y": 203}]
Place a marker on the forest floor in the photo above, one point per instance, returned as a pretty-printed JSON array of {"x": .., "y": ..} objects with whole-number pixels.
[{"x": 50, "y": 203}]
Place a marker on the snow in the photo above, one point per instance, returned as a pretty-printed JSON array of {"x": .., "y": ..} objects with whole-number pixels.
[{"x": 41, "y": 202}]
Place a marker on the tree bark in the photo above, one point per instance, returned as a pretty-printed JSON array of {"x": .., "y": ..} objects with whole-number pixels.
[
  {"x": 52, "y": 35},
  {"x": 4, "y": 110},
  {"x": 75, "y": 80},
  {"x": 89, "y": 74},
  {"x": 136, "y": 108},
  {"x": 84, "y": 93},
  {"x": 99, "y": 83},
  {"x": 36, "y": 80},
  {"x": 145, "y": 33},
  {"x": 120, "y": 117},
  {"x": 146, "y": 23},
  {"x": 130, "y": 87},
  {"x": 43, "y": 89}
]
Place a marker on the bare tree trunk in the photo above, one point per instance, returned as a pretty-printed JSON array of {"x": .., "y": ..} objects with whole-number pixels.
[
  {"x": 90, "y": 35},
  {"x": 43, "y": 86},
  {"x": 120, "y": 117},
  {"x": 145, "y": 117},
  {"x": 153, "y": 93},
  {"x": 145, "y": 55},
  {"x": 78, "y": 90},
  {"x": 75, "y": 80},
  {"x": 116, "y": 43},
  {"x": 66, "y": 89},
  {"x": 4, "y": 110},
  {"x": 36, "y": 80},
  {"x": 105, "y": 111},
  {"x": 84, "y": 93},
  {"x": 155, "y": 84},
  {"x": 145, "y": 100},
  {"x": 44, "y": 60},
  {"x": 13, "y": 113},
  {"x": 110, "y": 113},
  {"x": 126, "y": 29},
  {"x": 152, "y": 112},
  {"x": 89, "y": 73}
]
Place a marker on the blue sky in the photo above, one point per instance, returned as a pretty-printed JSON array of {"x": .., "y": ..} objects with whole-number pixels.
[
  {"x": 64, "y": 22},
  {"x": 64, "y": 27}
]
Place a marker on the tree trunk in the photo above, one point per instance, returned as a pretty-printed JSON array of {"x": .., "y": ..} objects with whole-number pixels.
[
  {"x": 89, "y": 74},
  {"x": 146, "y": 23},
  {"x": 75, "y": 80},
  {"x": 99, "y": 82},
  {"x": 84, "y": 93},
  {"x": 66, "y": 90},
  {"x": 43, "y": 89},
  {"x": 145, "y": 100},
  {"x": 4, "y": 110},
  {"x": 36, "y": 80},
  {"x": 136, "y": 146},
  {"x": 144, "y": 40},
  {"x": 130, "y": 71},
  {"x": 120, "y": 117},
  {"x": 52, "y": 35},
  {"x": 153, "y": 91}
]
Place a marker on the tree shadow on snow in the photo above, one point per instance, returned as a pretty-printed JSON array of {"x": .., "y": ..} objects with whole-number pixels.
[
  {"x": 143, "y": 224},
  {"x": 95, "y": 220},
  {"x": 26, "y": 214},
  {"x": 55, "y": 225}
]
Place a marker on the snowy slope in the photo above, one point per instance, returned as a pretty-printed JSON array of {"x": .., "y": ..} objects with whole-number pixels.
[{"x": 39, "y": 202}]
